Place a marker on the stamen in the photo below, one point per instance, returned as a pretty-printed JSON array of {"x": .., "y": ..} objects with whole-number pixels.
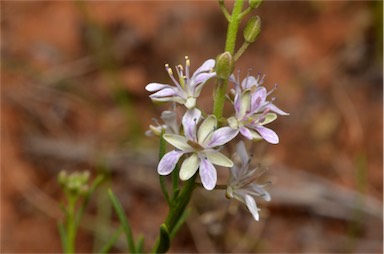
[
  {"x": 187, "y": 61},
  {"x": 273, "y": 89},
  {"x": 169, "y": 70}
]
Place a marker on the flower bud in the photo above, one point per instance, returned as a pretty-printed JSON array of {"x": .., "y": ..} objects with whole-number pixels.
[
  {"x": 254, "y": 3},
  {"x": 252, "y": 29},
  {"x": 224, "y": 65}
]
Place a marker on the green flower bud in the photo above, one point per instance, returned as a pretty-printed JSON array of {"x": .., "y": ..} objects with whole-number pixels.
[
  {"x": 62, "y": 177},
  {"x": 254, "y": 3},
  {"x": 252, "y": 29},
  {"x": 224, "y": 65}
]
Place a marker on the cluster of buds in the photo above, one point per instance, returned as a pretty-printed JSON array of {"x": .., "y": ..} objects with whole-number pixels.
[
  {"x": 74, "y": 184},
  {"x": 198, "y": 139}
]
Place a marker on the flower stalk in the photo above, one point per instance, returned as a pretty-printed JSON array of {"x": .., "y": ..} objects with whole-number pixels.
[{"x": 230, "y": 44}]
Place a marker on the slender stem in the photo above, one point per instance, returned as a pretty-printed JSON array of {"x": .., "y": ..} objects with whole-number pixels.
[
  {"x": 176, "y": 210},
  {"x": 241, "y": 50},
  {"x": 230, "y": 43},
  {"x": 162, "y": 150},
  {"x": 71, "y": 226},
  {"x": 224, "y": 10},
  {"x": 233, "y": 27},
  {"x": 245, "y": 12}
]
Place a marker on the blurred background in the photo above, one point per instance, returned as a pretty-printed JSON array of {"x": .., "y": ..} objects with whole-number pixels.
[{"x": 72, "y": 97}]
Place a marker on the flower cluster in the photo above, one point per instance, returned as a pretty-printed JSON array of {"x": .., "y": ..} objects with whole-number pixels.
[{"x": 199, "y": 139}]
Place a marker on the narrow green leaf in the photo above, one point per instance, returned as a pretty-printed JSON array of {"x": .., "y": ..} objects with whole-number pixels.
[
  {"x": 108, "y": 245},
  {"x": 140, "y": 244},
  {"x": 164, "y": 240},
  {"x": 180, "y": 223},
  {"x": 123, "y": 220},
  {"x": 63, "y": 236},
  {"x": 99, "y": 179}
]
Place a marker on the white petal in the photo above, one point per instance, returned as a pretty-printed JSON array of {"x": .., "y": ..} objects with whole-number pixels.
[
  {"x": 255, "y": 136},
  {"x": 268, "y": 134},
  {"x": 168, "y": 162},
  {"x": 189, "y": 121},
  {"x": 206, "y": 66},
  {"x": 251, "y": 204},
  {"x": 218, "y": 158},
  {"x": 248, "y": 82},
  {"x": 190, "y": 103},
  {"x": 151, "y": 87},
  {"x": 166, "y": 92},
  {"x": 258, "y": 98},
  {"x": 242, "y": 152},
  {"x": 177, "y": 141},
  {"x": 202, "y": 78},
  {"x": 275, "y": 109},
  {"x": 208, "y": 174},
  {"x": 206, "y": 128},
  {"x": 270, "y": 117},
  {"x": 222, "y": 136},
  {"x": 189, "y": 167},
  {"x": 245, "y": 103}
]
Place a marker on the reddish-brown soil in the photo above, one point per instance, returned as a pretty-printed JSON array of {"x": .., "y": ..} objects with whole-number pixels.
[{"x": 73, "y": 98}]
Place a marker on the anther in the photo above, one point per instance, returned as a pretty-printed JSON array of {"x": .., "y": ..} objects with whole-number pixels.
[{"x": 187, "y": 61}]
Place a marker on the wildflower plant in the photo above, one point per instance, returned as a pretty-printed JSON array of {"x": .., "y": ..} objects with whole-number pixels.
[
  {"x": 199, "y": 138},
  {"x": 199, "y": 143}
]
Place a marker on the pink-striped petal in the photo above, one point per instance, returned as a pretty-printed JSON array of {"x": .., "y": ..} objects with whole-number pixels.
[
  {"x": 189, "y": 121},
  {"x": 208, "y": 174},
  {"x": 252, "y": 207},
  {"x": 222, "y": 136},
  {"x": 269, "y": 135},
  {"x": 152, "y": 87},
  {"x": 166, "y": 92},
  {"x": 206, "y": 66},
  {"x": 248, "y": 82},
  {"x": 246, "y": 133},
  {"x": 275, "y": 109},
  {"x": 168, "y": 162}
]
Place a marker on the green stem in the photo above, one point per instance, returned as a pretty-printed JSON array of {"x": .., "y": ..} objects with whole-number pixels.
[
  {"x": 241, "y": 50},
  {"x": 71, "y": 226},
  {"x": 176, "y": 211},
  {"x": 230, "y": 43},
  {"x": 233, "y": 27}
]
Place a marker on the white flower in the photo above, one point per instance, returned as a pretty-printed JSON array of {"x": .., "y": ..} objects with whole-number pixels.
[
  {"x": 252, "y": 110},
  {"x": 201, "y": 144},
  {"x": 170, "y": 125},
  {"x": 242, "y": 184},
  {"x": 186, "y": 89}
]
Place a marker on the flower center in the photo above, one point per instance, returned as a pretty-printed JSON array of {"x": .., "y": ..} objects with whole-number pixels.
[{"x": 195, "y": 145}]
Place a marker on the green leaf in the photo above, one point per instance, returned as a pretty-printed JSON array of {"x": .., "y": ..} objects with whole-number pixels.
[
  {"x": 140, "y": 244},
  {"x": 108, "y": 245},
  {"x": 63, "y": 236},
  {"x": 99, "y": 179},
  {"x": 123, "y": 220},
  {"x": 180, "y": 223},
  {"x": 164, "y": 240}
]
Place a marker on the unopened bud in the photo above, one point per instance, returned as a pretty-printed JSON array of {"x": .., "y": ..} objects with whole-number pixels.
[
  {"x": 62, "y": 177},
  {"x": 252, "y": 29},
  {"x": 254, "y": 3},
  {"x": 224, "y": 65}
]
